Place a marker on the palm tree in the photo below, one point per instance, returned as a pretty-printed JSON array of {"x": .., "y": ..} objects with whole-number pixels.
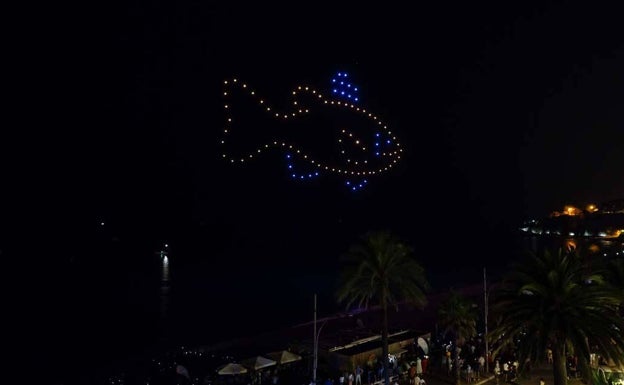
[
  {"x": 381, "y": 270},
  {"x": 552, "y": 300},
  {"x": 614, "y": 275},
  {"x": 457, "y": 316}
]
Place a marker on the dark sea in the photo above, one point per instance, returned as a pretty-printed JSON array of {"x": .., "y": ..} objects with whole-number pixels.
[{"x": 120, "y": 305}]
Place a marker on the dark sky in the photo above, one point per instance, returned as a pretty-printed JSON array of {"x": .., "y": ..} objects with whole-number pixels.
[{"x": 505, "y": 111}]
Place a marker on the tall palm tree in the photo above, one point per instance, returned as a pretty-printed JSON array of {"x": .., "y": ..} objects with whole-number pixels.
[
  {"x": 381, "y": 270},
  {"x": 552, "y": 300},
  {"x": 458, "y": 316}
]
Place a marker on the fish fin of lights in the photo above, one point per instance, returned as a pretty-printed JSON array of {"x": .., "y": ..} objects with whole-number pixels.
[
  {"x": 364, "y": 151},
  {"x": 341, "y": 87},
  {"x": 299, "y": 172}
]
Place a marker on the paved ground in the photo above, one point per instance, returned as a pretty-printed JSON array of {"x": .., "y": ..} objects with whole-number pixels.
[{"x": 542, "y": 371}]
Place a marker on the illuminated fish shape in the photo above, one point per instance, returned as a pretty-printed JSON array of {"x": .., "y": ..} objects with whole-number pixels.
[{"x": 317, "y": 135}]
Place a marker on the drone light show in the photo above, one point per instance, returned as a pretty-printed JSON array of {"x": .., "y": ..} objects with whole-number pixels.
[{"x": 318, "y": 135}]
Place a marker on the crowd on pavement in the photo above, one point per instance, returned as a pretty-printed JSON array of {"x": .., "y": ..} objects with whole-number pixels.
[{"x": 413, "y": 367}]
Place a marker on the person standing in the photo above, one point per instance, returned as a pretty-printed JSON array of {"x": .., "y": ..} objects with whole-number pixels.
[
  {"x": 468, "y": 373},
  {"x": 412, "y": 374},
  {"x": 358, "y": 375},
  {"x": 425, "y": 364},
  {"x": 275, "y": 378},
  {"x": 497, "y": 371},
  {"x": 549, "y": 354},
  {"x": 481, "y": 365},
  {"x": 527, "y": 368}
]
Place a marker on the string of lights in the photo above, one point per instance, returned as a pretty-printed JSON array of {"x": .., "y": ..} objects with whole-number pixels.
[{"x": 381, "y": 144}]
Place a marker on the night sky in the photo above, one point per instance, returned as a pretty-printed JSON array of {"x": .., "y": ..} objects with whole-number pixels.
[{"x": 505, "y": 111}]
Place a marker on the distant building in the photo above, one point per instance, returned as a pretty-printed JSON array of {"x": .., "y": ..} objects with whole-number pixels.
[{"x": 604, "y": 221}]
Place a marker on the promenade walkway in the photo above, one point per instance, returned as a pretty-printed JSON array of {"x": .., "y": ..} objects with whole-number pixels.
[{"x": 541, "y": 371}]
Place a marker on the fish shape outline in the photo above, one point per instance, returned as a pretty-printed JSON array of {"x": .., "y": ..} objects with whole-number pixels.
[{"x": 388, "y": 154}]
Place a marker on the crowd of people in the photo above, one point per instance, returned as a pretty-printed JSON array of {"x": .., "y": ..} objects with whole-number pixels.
[{"x": 414, "y": 367}]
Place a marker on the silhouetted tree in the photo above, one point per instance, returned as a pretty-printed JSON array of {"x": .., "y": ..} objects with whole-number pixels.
[
  {"x": 381, "y": 270},
  {"x": 457, "y": 315},
  {"x": 553, "y": 300}
]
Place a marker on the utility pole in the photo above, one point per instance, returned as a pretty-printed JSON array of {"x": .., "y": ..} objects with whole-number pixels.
[
  {"x": 316, "y": 340},
  {"x": 315, "y": 346},
  {"x": 485, "y": 307}
]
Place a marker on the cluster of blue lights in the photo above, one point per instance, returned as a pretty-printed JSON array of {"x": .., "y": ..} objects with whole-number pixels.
[
  {"x": 380, "y": 144},
  {"x": 342, "y": 88},
  {"x": 294, "y": 175},
  {"x": 356, "y": 186}
]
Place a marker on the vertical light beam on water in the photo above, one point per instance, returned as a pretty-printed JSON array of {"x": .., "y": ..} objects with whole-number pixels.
[
  {"x": 165, "y": 298},
  {"x": 165, "y": 271}
]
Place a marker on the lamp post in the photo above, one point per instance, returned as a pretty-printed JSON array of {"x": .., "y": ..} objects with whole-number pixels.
[{"x": 316, "y": 338}]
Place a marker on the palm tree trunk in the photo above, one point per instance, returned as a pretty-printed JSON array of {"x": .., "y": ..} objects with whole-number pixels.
[
  {"x": 559, "y": 365},
  {"x": 587, "y": 370},
  {"x": 384, "y": 341},
  {"x": 457, "y": 366}
]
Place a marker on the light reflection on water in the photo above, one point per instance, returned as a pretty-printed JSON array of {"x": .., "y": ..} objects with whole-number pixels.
[
  {"x": 165, "y": 270},
  {"x": 592, "y": 245},
  {"x": 165, "y": 295}
]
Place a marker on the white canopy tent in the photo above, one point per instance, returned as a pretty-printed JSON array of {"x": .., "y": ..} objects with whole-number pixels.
[
  {"x": 258, "y": 362},
  {"x": 232, "y": 369},
  {"x": 284, "y": 356}
]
